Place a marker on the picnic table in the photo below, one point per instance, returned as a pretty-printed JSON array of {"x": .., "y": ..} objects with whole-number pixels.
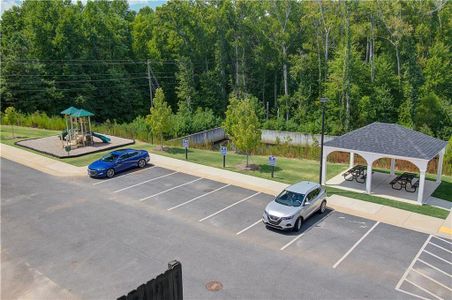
[
  {"x": 357, "y": 173},
  {"x": 407, "y": 181}
]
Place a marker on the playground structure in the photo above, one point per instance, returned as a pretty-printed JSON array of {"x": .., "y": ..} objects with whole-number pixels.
[{"x": 78, "y": 132}]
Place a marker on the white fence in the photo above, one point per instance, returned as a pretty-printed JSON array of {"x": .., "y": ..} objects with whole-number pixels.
[
  {"x": 268, "y": 137},
  {"x": 292, "y": 138},
  {"x": 205, "y": 137}
]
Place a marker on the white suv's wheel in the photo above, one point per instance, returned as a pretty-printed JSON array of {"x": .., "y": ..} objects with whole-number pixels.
[
  {"x": 322, "y": 207},
  {"x": 298, "y": 224},
  {"x": 110, "y": 173},
  {"x": 141, "y": 163}
]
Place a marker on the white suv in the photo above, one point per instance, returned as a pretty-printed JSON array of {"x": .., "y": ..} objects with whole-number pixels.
[{"x": 294, "y": 205}]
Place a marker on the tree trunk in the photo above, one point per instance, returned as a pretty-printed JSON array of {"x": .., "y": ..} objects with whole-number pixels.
[
  {"x": 247, "y": 156},
  {"x": 398, "y": 61},
  {"x": 236, "y": 65},
  {"x": 371, "y": 54},
  {"x": 286, "y": 87}
]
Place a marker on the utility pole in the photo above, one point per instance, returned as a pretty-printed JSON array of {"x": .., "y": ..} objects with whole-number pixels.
[
  {"x": 149, "y": 79},
  {"x": 323, "y": 102}
]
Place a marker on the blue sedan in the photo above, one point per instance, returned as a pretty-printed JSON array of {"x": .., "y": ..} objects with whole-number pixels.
[{"x": 118, "y": 161}]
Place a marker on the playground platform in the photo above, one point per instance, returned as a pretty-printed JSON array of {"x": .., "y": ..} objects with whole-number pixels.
[{"x": 54, "y": 146}]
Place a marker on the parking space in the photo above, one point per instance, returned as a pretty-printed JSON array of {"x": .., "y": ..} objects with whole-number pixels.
[
  {"x": 347, "y": 245},
  {"x": 429, "y": 275},
  {"x": 240, "y": 216},
  {"x": 330, "y": 239}
]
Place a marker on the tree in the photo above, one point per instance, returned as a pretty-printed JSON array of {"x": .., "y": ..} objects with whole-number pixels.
[
  {"x": 430, "y": 114},
  {"x": 160, "y": 117},
  {"x": 11, "y": 118},
  {"x": 242, "y": 125}
]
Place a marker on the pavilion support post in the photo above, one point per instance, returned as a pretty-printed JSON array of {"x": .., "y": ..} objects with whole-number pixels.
[
  {"x": 420, "y": 193},
  {"x": 392, "y": 166},
  {"x": 439, "y": 168},
  {"x": 352, "y": 160},
  {"x": 369, "y": 176}
]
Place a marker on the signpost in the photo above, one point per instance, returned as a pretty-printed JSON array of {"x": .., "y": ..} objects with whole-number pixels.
[
  {"x": 185, "y": 145},
  {"x": 272, "y": 163},
  {"x": 224, "y": 151}
]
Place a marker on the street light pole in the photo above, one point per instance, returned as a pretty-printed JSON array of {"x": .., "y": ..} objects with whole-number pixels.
[{"x": 323, "y": 101}]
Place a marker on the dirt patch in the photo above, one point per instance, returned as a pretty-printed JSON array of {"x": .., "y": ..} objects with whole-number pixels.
[{"x": 250, "y": 167}]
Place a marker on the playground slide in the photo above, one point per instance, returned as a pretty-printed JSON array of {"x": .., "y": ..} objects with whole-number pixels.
[{"x": 102, "y": 137}]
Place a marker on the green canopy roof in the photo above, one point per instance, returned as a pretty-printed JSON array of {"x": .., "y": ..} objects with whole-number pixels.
[
  {"x": 69, "y": 111},
  {"x": 81, "y": 113}
]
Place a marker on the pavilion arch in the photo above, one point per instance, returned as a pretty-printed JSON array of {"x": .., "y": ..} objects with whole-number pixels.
[{"x": 381, "y": 140}]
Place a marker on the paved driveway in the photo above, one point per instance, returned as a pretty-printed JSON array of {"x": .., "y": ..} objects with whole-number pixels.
[{"x": 102, "y": 238}]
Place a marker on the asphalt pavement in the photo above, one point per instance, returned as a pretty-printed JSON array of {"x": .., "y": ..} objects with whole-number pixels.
[{"x": 99, "y": 239}]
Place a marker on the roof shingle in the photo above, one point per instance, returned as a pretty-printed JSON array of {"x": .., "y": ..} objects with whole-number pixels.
[{"x": 390, "y": 139}]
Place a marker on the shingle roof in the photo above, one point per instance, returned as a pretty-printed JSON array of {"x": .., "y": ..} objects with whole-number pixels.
[{"x": 391, "y": 139}]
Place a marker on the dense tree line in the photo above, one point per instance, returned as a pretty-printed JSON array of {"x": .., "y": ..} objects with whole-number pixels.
[{"x": 386, "y": 61}]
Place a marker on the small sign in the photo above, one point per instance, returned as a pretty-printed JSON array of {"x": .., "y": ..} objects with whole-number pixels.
[
  {"x": 185, "y": 143},
  {"x": 272, "y": 160},
  {"x": 224, "y": 150}
]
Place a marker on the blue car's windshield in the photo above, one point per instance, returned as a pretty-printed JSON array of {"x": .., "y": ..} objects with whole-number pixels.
[
  {"x": 109, "y": 157},
  {"x": 289, "y": 198}
]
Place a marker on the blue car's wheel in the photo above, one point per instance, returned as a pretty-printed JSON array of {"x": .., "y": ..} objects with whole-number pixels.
[
  {"x": 110, "y": 173},
  {"x": 141, "y": 163}
]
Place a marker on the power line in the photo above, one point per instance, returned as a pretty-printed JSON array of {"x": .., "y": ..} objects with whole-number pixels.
[
  {"x": 75, "y": 81},
  {"x": 68, "y": 89},
  {"x": 65, "y": 75}
]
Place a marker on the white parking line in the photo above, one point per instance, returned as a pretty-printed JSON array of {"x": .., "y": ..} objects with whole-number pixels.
[
  {"x": 143, "y": 182},
  {"x": 355, "y": 245},
  {"x": 196, "y": 198},
  {"x": 292, "y": 241},
  {"x": 299, "y": 236},
  {"x": 122, "y": 176},
  {"x": 431, "y": 279},
  {"x": 412, "y": 263},
  {"x": 252, "y": 225},
  {"x": 440, "y": 258},
  {"x": 423, "y": 289},
  {"x": 442, "y": 248},
  {"x": 437, "y": 237},
  {"x": 227, "y": 207},
  {"x": 411, "y": 294},
  {"x": 173, "y": 188},
  {"x": 433, "y": 267}
]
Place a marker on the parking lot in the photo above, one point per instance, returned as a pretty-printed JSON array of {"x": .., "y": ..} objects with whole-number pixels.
[
  {"x": 355, "y": 257},
  {"x": 335, "y": 240}
]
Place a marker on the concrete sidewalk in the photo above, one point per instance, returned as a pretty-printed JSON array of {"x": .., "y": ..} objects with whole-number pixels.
[
  {"x": 373, "y": 211},
  {"x": 39, "y": 162}
]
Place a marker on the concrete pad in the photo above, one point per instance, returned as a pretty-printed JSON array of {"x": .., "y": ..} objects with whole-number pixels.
[
  {"x": 354, "y": 207},
  {"x": 423, "y": 223},
  {"x": 382, "y": 188},
  {"x": 53, "y": 146},
  {"x": 392, "y": 216}
]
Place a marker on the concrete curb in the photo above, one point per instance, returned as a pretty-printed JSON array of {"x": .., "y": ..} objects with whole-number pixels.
[
  {"x": 373, "y": 211},
  {"x": 39, "y": 162}
]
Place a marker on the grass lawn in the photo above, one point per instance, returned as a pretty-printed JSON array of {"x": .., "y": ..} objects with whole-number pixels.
[{"x": 287, "y": 170}]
